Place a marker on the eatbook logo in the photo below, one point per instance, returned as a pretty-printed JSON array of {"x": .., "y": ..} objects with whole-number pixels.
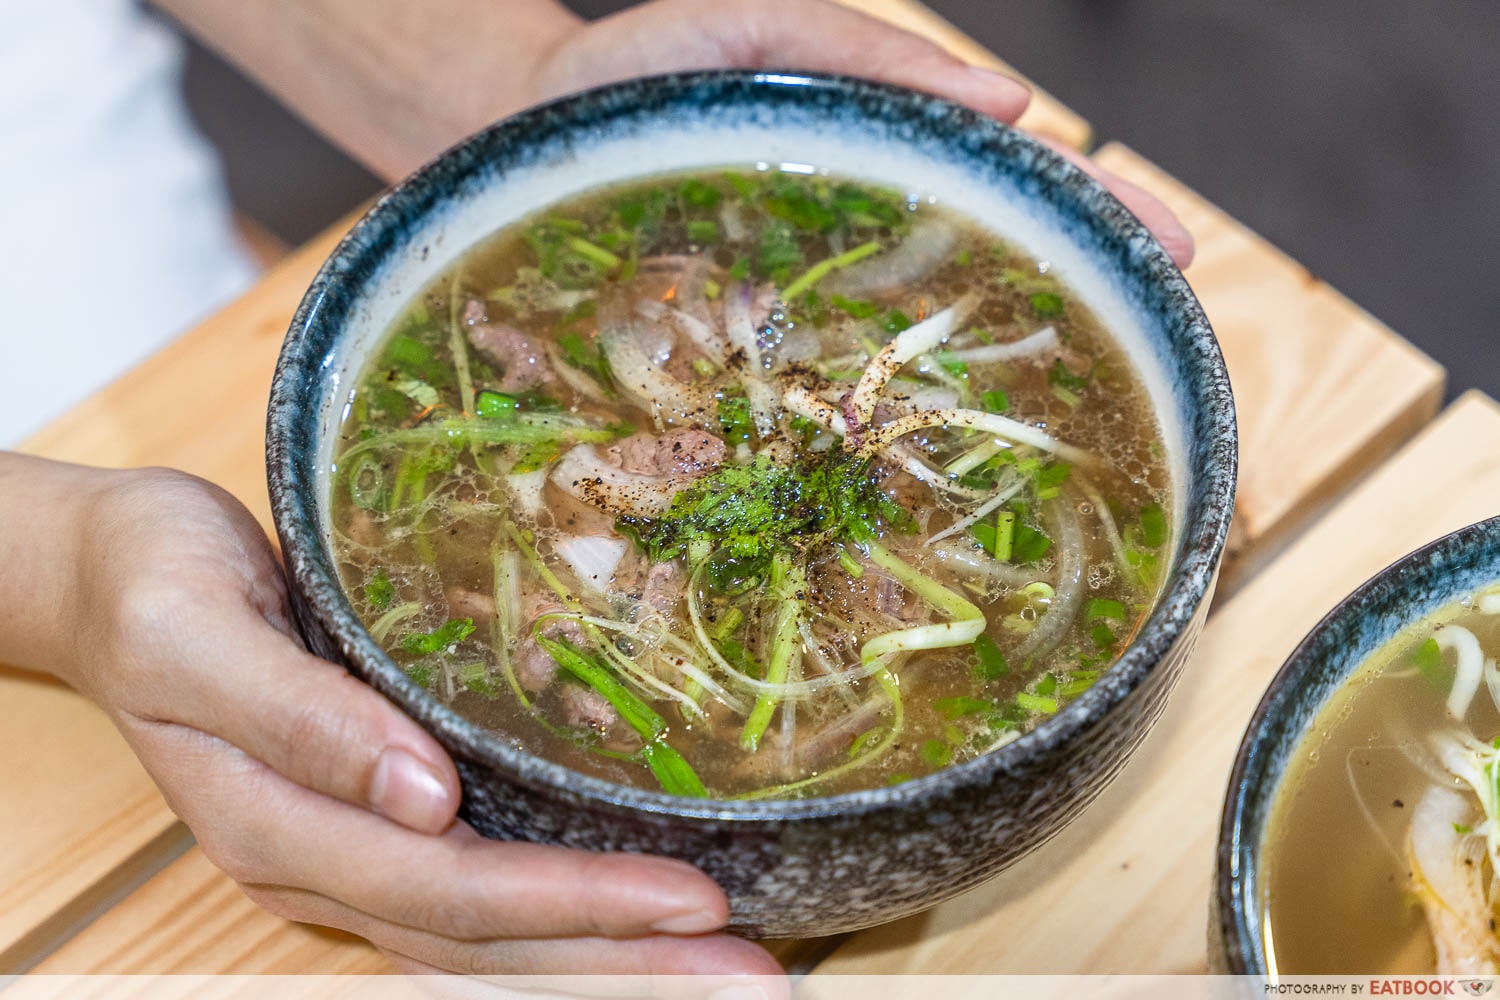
[{"x": 1476, "y": 987}]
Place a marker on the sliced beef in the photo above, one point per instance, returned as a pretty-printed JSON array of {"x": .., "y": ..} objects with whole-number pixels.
[{"x": 685, "y": 451}]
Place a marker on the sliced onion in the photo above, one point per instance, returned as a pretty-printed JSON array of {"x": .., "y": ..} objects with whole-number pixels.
[
  {"x": 592, "y": 558},
  {"x": 526, "y": 488},
  {"x": 1003, "y": 492},
  {"x": 643, "y": 382},
  {"x": 1041, "y": 342},
  {"x": 1068, "y": 587},
  {"x": 583, "y": 474},
  {"x": 708, "y": 340},
  {"x": 1470, "y": 669},
  {"x": 923, "y": 251},
  {"x": 909, "y": 343}
]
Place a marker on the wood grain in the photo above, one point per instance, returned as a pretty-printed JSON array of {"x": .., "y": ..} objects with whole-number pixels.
[
  {"x": 1125, "y": 888},
  {"x": 191, "y": 919},
  {"x": 1046, "y": 115},
  {"x": 1323, "y": 390},
  {"x": 82, "y": 820}
]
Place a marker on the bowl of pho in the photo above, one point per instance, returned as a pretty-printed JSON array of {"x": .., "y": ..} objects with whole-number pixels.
[
  {"x": 803, "y": 477},
  {"x": 1362, "y": 827}
]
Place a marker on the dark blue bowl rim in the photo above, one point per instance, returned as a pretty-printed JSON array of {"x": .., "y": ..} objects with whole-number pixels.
[
  {"x": 1209, "y": 494},
  {"x": 1239, "y": 847}
]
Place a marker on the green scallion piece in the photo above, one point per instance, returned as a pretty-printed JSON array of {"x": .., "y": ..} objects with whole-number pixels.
[
  {"x": 1103, "y": 607},
  {"x": 824, "y": 268},
  {"x": 595, "y": 254},
  {"x": 496, "y": 405},
  {"x": 1036, "y": 703},
  {"x": 1153, "y": 525},
  {"x": 990, "y": 662}
]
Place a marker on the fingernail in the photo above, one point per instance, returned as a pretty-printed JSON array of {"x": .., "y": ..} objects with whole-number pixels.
[
  {"x": 689, "y": 922},
  {"x": 407, "y": 791}
]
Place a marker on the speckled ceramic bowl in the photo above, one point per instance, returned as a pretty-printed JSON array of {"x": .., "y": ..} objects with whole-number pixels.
[
  {"x": 826, "y": 864},
  {"x": 1400, "y": 595}
]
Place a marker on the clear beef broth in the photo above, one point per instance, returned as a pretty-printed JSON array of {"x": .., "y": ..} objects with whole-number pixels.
[
  {"x": 1346, "y": 886},
  {"x": 670, "y": 528}
]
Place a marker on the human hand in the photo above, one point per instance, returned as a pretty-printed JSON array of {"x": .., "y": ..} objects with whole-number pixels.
[
  {"x": 318, "y": 796},
  {"x": 815, "y": 35}
]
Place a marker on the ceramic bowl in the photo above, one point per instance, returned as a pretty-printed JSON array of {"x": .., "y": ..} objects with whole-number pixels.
[
  {"x": 1402, "y": 594},
  {"x": 819, "y": 865}
]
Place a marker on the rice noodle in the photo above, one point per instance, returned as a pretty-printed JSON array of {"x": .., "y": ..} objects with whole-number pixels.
[{"x": 1040, "y": 342}]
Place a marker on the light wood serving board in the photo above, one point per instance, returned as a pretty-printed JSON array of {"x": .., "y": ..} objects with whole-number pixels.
[{"x": 1324, "y": 392}]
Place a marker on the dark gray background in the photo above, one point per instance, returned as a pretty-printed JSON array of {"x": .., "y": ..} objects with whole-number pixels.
[{"x": 1361, "y": 136}]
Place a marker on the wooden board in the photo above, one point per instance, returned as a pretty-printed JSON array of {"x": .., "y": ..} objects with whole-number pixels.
[
  {"x": 190, "y": 919},
  {"x": 83, "y": 823},
  {"x": 199, "y": 405},
  {"x": 1046, "y": 115},
  {"x": 1323, "y": 390},
  {"x": 1125, "y": 888},
  {"x": 86, "y": 823}
]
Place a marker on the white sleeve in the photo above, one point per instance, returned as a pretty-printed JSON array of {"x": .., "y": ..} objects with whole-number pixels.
[{"x": 116, "y": 232}]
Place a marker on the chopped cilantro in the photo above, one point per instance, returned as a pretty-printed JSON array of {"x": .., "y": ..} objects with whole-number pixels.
[
  {"x": 1102, "y": 607},
  {"x": 584, "y": 354},
  {"x": 734, "y": 420},
  {"x": 858, "y": 308},
  {"x": 452, "y": 631},
  {"x": 1046, "y": 305},
  {"x": 1103, "y": 637},
  {"x": 703, "y": 231},
  {"x": 990, "y": 663},
  {"x": 1060, "y": 376},
  {"x": 699, "y": 194},
  {"x": 750, "y": 512},
  {"x": 936, "y": 753},
  {"x": 895, "y": 321},
  {"x": 380, "y": 591},
  {"x": 476, "y": 677},
  {"x": 778, "y": 252},
  {"x": 994, "y": 400},
  {"x": 955, "y": 708},
  {"x": 952, "y": 364},
  {"x": 1153, "y": 525},
  {"x": 1428, "y": 658}
]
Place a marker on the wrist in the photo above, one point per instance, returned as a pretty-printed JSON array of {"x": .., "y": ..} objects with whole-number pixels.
[{"x": 47, "y": 509}]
